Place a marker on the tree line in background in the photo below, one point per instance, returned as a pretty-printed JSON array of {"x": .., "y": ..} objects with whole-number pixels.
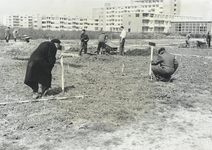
[{"x": 68, "y": 35}]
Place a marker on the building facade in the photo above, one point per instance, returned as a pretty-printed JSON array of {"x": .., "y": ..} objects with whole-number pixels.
[
  {"x": 139, "y": 16},
  {"x": 18, "y": 21},
  {"x": 195, "y": 27},
  {"x": 112, "y": 16},
  {"x": 57, "y": 23},
  {"x": 165, "y": 6},
  {"x": 152, "y": 22}
]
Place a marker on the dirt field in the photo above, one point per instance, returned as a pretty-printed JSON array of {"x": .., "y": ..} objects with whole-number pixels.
[{"x": 120, "y": 108}]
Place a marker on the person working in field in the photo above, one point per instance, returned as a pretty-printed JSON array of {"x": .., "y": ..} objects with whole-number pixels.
[
  {"x": 25, "y": 38},
  {"x": 188, "y": 36},
  {"x": 102, "y": 40},
  {"x": 208, "y": 39},
  {"x": 7, "y": 34},
  {"x": 164, "y": 65},
  {"x": 122, "y": 40},
  {"x": 84, "y": 40},
  {"x": 40, "y": 65},
  {"x": 15, "y": 34}
]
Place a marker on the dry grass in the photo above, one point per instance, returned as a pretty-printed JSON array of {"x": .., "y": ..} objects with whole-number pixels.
[{"x": 116, "y": 99}]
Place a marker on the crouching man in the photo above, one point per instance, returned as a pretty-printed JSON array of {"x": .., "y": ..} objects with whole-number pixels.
[
  {"x": 40, "y": 65},
  {"x": 164, "y": 66}
]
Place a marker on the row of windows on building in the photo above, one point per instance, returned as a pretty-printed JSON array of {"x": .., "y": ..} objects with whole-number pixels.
[
  {"x": 132, "y": 11},
  {"x": 63, "y": 27},
  {"x": 200, "y": 29},
  {"x": 66, "y": 23},
  {"x": 190, "y": 25},
  {"x": 134, "y": 7},
  {"x": 20, "y": 17},
  {"x": 152, "y": 1},
  {"x": 66, "y": 19}
]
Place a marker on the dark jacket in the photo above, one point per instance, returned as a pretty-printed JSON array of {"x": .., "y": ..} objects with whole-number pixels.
[
  {"x": 84, "y": 37},
  {"x": 40, "y": 65},
  {"x": 208, "y": 37},
  {"x": 167, "y": 62}
]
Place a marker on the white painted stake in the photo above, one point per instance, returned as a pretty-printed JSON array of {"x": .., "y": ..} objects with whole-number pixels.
[
  {"x": 122, "y": 70},
  {"x": 62, "y": 77},
  {"x": 150, "y": 66}
]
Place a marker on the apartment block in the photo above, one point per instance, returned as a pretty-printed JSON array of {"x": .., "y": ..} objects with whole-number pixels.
[
  {"x": 165, "y": 6},
  {"x": 18, "y": 21},
  {"x": 112, "y": 16},
  {"x": 152, "y": 22},
  {"x": 195, "y": 27},
  {"x": 58, "y": 23}
]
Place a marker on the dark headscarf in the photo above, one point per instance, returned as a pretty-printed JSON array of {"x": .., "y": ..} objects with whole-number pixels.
[{"x": 55, "y": 41}]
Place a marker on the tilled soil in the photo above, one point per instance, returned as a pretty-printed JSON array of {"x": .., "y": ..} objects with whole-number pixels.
[{"x": 120, "y": 108}]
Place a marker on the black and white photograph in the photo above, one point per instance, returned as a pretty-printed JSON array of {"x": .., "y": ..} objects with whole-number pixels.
[{"x": 105, "y": 75}]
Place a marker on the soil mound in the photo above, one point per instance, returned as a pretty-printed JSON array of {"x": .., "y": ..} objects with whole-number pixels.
[
  {"x": 97, "y": 58},
  {"x": 139, "y": 52}
]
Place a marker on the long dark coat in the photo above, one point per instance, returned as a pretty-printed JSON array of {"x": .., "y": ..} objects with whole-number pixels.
[{"x": 40, "y": 65}]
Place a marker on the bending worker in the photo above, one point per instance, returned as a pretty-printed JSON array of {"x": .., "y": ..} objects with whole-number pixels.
[
  {"x": 102, "y": 40},
  {"x": 15, "y": 34},
  {"x": 40, "y": 65},
  {"x": 164, "y": 66}
]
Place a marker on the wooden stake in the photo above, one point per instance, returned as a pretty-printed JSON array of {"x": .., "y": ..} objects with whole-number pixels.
[
  {"x": 62, "y": 77},
  {"x": 150, "y": 66},
  {"x": 122, "y": 70}
]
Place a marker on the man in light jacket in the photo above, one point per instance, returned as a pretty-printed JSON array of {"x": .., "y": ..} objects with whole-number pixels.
[{"x": 122, "y": 40}]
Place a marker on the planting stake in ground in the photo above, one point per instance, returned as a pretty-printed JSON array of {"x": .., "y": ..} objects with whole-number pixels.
[
  {"x": 62, "y": 77},
  {"x": 151, "y": 58},
  {"x": 122, "y": 70}
]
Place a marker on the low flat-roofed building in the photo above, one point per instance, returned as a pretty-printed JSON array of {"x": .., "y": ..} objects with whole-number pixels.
[
  {"x": 151, "y": 22},
  {"x": 195, "y": 27}
]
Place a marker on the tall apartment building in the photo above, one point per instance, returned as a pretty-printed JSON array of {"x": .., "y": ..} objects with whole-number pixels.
[
  {"x": 165, "y": 6},
  {"x": 18, "y": 21},
  {"x": 112, "y": 16},
  {"x": 58, "y": 23},
  {"x": 152, "y": 22}
]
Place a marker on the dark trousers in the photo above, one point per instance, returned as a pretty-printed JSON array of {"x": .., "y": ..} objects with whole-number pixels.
[
  {"x": 100, "y": 45},
  {"x": 7, "y": 38},
  {"x": 35, "y": 88},
  {"x": 121, "y": 47},
  {"x": 161, "y": 74},
  {"x": 83, "y": 46},
  {"x": 187, "y": 43},
  {"x": 209, "y": 43}
]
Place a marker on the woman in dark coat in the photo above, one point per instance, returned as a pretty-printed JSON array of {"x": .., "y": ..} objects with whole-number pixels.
[{"x": 40, "y": 65}]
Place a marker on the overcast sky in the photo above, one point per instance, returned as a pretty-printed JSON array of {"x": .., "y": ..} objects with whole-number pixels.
[
  {"x": 56, "y": 7},
  {"x": 83, "y": 8}
]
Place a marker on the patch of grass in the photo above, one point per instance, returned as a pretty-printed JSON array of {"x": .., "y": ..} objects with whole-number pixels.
[{"x": 114, "y": 141}]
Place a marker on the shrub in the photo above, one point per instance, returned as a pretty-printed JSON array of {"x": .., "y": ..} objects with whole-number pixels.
[{"x": 67, "y": 35}]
